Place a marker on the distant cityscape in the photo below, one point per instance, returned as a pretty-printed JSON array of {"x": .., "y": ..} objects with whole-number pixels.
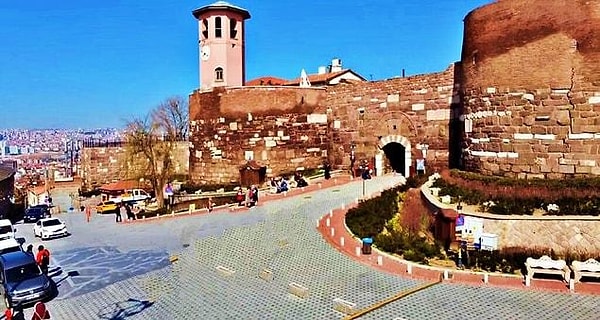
[
  {"x": 32, "y": 152},
  {"x": 15, "y": 142}
]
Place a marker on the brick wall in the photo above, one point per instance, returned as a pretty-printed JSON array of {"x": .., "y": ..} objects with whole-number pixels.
[{"x": 532, "y": 88}]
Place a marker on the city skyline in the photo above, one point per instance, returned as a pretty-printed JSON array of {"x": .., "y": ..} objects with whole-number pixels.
[{"x": 98, "y": 65}]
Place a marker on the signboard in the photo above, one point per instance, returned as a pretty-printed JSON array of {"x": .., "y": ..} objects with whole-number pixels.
[
  {"x": 420, "y": 164},
  {"x": 469, "y": 229},
  {"x": 489, "y": 241}
]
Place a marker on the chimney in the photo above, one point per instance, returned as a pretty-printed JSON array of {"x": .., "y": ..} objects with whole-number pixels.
[
  {"x": 322, "y": 70},
  {"x": 336, "y": 65}
]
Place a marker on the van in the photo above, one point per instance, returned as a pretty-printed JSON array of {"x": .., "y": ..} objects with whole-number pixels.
[
  {"x": 7, "y": 230},
  {"x": 22, "y": 280}
]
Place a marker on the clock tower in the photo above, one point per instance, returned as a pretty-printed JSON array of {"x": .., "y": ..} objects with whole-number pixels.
[{"x": 221, "y": 44}]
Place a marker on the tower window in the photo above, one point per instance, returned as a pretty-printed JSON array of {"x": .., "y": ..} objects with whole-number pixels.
[
  {"x": 232, "y": 28},
  {"x": 205, "y": 29},
  {"x": 218, "y": 28},
  {"x": 219, "y": 74}
]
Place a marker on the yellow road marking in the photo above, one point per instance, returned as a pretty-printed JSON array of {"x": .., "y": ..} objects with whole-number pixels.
[{"x": 380, "y": 304}]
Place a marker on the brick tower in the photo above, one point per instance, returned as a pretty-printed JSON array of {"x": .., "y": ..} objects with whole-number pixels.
[{"x": 221, "y": 45}]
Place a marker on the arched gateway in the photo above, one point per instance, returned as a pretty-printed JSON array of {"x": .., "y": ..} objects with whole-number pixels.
[{"x": 398, "y": 151}]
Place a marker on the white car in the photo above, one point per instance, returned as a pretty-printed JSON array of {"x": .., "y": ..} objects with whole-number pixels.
[{"x": 50, "y": 228}]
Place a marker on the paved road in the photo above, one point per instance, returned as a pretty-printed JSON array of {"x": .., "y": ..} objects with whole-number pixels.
[{"x": 109, "y": 271}]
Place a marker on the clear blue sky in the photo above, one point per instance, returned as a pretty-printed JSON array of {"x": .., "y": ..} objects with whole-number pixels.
[{"x": 97, "y": 63}]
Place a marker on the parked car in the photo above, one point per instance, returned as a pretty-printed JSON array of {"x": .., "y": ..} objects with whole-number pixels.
[
  {"x": 7, "y": 230},
  {"x": 9, "y": 245},
  {"x": 33, "y": 214},
  {"x": 22, "y": 279},
  {"x": 106, "y": 207},
  {"x": 50, "y": 228}
]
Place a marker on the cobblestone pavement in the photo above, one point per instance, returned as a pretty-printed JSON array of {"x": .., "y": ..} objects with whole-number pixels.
[{"x": 221, "y": 255}]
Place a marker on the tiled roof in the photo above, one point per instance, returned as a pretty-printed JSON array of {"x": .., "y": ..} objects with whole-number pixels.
[
  {"x": 120, "y": 185},
  {"x": 6, "y": 172},
  {"x": 316, "y": 79},
  {"x": 266, "y": 81},
  {"x": 221, "y": 5}
]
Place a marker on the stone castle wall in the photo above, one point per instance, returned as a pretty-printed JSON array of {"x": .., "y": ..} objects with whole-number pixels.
[
  {"x": 282, "y": 128},
  {"x": 103, "y": 165},
  {"x": 420, "y": 108},
  {"x": 285, "y": 128},
  {"x": 532, "y": 89}
]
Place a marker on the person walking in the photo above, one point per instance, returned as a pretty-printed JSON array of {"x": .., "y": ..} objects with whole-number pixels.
[
  {"x": 40, "y": 312},
  {"x": 239, "y": 197},
  {"x": 210, "y": 204},
  {"x": 43, "y": 258},
  {"x": 255, "y": 195},
  {"x": 29, "y": 250},
  {"x": 129, "y": 211},
  {"x": 118, "y": 212}
]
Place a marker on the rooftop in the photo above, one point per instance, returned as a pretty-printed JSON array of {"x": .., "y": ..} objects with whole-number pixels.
[{"x": 221, "y": 5}]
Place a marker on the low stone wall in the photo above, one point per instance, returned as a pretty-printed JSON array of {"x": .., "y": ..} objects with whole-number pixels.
[{"x": 562, "y": 233}]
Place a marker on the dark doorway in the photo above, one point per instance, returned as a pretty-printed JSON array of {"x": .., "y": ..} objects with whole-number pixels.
[{"x": 395, "y": 154}]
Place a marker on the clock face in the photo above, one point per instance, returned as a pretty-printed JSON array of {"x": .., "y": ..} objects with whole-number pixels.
[{"x": 205, "y": 53}]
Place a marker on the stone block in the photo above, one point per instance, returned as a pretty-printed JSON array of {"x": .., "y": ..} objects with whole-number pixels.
[
  {"x": 316, "y": 118},
  {"x": 224, "y": 271},
  {"x": 418, "y": 107},
  {"x": 393, "y": 98},
  {"x": 566, "y": 169},
  {"x": 587, "y": 163},
  {"x": 266, "y": 274},
  {"x": 594, "y": 100},
  {"x": 343, "y": 306},
  {"x": 298, "y": 290},
  {"x": 544, "y": 136}
]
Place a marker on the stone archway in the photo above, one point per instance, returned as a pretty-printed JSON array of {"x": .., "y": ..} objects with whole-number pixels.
[{"x": 398, "y": 151}]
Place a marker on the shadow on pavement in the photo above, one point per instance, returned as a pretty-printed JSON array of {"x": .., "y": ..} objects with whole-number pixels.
[{"x": 123, "y": 309}]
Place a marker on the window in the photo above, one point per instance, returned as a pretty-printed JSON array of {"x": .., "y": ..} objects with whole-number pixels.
[
  {"x": 232, "y": 28},
  {"x": 205, "y": 29},
  {"x": 218, "y": 27},
  {"x": 219, "y": 74}
]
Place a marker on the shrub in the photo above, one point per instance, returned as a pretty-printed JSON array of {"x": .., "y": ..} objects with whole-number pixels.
[{"x": 517, "y": 196}]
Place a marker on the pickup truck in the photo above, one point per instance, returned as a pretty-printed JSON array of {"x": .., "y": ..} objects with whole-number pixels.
[{"x": 132, "y": 195}]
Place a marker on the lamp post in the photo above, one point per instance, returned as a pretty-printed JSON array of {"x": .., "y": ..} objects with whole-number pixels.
[{"x": 352, "y": 159}]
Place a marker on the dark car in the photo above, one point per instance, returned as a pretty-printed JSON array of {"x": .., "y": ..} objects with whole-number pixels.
[
  {"x": 22, "y": 280},
  {"x": 35, "y": 213}
]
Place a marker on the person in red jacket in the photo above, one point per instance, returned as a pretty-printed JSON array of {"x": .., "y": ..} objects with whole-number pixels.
[
  {"x": 43, "y": 258},
  {"x": 40, "y": 312}
]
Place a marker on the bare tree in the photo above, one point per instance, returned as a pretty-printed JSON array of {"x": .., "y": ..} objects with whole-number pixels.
[{"x": 151, "y": 141}]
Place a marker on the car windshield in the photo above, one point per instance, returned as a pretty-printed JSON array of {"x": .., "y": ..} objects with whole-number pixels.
[
  {"x": 21, "y": 273},
  {"x": 34, "y": 211},
  {"x": 5, "y": 229},
  {"x": 50, "y": 223}
]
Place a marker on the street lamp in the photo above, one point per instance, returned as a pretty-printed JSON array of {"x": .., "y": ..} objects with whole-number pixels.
[{"x": 352, "y": 158}]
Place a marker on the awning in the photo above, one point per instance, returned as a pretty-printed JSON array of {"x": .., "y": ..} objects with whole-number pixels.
[{"x": 120, "y": 186}]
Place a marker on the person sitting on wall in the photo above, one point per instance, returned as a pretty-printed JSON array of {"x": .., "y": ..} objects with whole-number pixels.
[
  {"x": 300, "y": 181},
  {"x": 282, "y": 186}
]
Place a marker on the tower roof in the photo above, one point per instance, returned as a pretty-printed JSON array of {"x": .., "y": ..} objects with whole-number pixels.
[{"x": 221, "y": 5}]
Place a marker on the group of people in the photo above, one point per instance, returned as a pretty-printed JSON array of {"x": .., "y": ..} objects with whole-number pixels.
[
  {"x": 124, "y": 208},
  {"x": 249, "y": 198},
  {"x": 40, "y": 312}
]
